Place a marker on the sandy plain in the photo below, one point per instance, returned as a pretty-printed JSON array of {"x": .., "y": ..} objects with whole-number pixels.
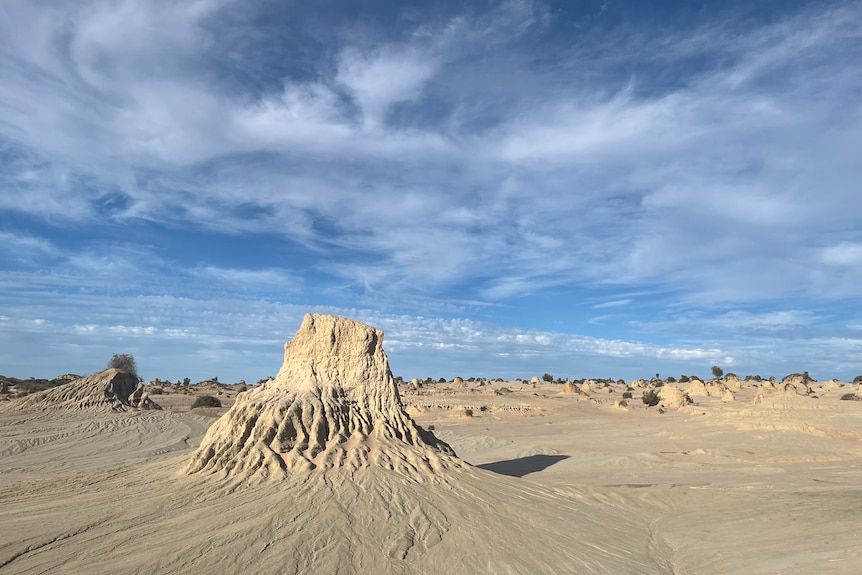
[{"x": 768, "y": 482}]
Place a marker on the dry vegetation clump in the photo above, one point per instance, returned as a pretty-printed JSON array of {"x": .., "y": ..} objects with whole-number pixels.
[
  {"x": 650, "y": 398},
  {"x": 206, "y": 401}
]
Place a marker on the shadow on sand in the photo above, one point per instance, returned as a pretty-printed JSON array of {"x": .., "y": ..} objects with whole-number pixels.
[{"x": 523, "y": 465}]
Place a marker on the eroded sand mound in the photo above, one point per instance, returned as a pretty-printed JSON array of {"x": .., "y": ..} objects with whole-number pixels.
[
  {"x": 672, "y": 397},
  {"x": 334, "y": 403},
  {"x": 111, "y": 388}
]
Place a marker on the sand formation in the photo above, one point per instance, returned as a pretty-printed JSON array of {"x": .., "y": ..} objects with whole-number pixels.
[
  {"x": 334, "y": 403},
  {"x": 112, "y": 388}
]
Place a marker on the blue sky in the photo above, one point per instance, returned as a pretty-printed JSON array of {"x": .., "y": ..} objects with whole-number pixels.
[{"x": 591, "y": 189}]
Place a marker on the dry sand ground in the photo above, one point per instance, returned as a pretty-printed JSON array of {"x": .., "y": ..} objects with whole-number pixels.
[{"x": 561, "y": 483}]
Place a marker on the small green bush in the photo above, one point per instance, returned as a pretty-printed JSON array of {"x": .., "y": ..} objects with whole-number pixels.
[
  {"x": 627, "y": 395},
  {"x": 650, "y": 398},
  {"x": 683, "y": 379},
  {"x": 206, "y": 401},
  {"x": 156, "y": 391}
]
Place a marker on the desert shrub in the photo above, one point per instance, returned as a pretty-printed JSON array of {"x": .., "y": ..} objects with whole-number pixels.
[
  {"x": 717, "y": 371},
  {"x": 851, "y": 397},
  {"x": 547, "y": 377},
  {"x": 650, "y": 398},
  {"x": 621, "y": 382},
  {"x": 206, "y": 401},
  {"x": 156, "y": 391},
  {"x": 671, "y": 379},
  {"x": 857, "y": 379},
  {"x": 683, "y": 379},
  {"x": 441, "y": 380},
  {"x": 659, "y": 383},
  {"x": 627, "y": 395},
  {"x": 124, "y": 362}
]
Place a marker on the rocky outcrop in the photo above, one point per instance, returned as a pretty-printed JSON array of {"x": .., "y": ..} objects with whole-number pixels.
[{"x": 333, "y": 404}]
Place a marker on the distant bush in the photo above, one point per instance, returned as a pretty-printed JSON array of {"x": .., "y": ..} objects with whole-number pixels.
[
  {"x": 441, "y": 380},
  {"x": 547, "y": 377},
  {"x": 717, "y": 371},
  {"x": 671, "y": 379},
  {"x": 651, "y": 398},
  {"x": 627, "y": 395},
  {"x": 156, "y": 391},
  {"x": 206, "y": 401},
  {"x": 857, "y": 379},
  {"x": 683, "y": 379},
  {"x": 124, "y": 362},
  {"x": 851, "y": 397}
]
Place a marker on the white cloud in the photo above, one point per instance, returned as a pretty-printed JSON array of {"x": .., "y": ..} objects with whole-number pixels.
[
  {"x": 613, "y": 303},
  {"x": 25, "y": 247},
  {"x": 262, "y": 279},
  {"x": 385, "y": 77},
  {"x": 844, "y": 254}
]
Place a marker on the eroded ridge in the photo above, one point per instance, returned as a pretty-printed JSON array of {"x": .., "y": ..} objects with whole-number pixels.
[
  {"x": 334, "y": 403},
  {"x": 111, "y": 388}
]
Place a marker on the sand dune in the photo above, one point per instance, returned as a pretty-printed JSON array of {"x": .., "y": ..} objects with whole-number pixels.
[{"x": 323, "y": 471}]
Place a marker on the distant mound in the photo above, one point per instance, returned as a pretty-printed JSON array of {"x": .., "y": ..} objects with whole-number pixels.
[
  {"x": 111, "y": 388},
  {"x": 334, "y": 403}
]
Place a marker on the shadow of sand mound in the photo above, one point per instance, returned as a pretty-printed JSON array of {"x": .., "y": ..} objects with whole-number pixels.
[
  {"x": 112, "y": 389},
  {"x": 523, "y": 465},
  {"x": 334, "y": 403}
]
